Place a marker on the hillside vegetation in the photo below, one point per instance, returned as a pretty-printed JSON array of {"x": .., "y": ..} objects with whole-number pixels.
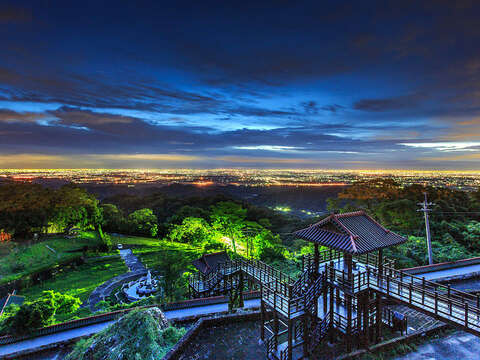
[{"x": 140, "y": 335}]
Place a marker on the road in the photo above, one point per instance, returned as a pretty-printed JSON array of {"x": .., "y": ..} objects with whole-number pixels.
[
  {"x": 92, "y": 329},
  {"x": 459, "y": 271}
]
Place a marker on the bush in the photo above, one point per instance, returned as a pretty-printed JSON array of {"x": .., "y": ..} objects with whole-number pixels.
[
  {"x": 140, "y": 334},
  {"x": 40, "y": 313}
]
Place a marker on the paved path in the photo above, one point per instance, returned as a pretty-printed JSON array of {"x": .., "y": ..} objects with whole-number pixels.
[
  {"x": 136, "y": 268},
  {"x": 92, "y": 329},
  {"x": 459, "y": 345},
  {"x": 133, "y": 263},
  {"x": 459, "y": 271}
]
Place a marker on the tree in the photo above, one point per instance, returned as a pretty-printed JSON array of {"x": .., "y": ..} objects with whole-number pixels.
[
  {"x": 143, "y": 222},
  {"x": 24, "y": 208},
  {"x": 41, "y": 312},
  {"x": 368, "y": 192},
  {"x": 194, "y": 231},
  {"x": 113, "y": 218},
  {"x": 74, "y": 206},
  {"x": 228, "y": 218},
  {"x": 188, "y": 211}
]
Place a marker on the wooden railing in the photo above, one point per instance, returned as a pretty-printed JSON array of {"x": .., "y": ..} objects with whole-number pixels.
[
  {"x": 255, "y": 267},
  {"x": 446, "y": 303},
  {"x": 324, "y": 256},
  {"x": 332, "y": 255},
  {"x": 318, "y": 332},
  {"x": 341, "y": 322},
  {"x": 372, "y": 260},
  {"x": 313, "y": 292},
  {"x": 271, "y": 344}
]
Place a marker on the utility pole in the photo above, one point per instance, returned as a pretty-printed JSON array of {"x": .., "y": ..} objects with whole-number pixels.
[{"x": 425, "y": 209}]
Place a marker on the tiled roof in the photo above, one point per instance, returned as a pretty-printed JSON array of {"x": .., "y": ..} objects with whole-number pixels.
[
  {"x": 207, "y": 262},
  {"x": 355, "y": 233}
]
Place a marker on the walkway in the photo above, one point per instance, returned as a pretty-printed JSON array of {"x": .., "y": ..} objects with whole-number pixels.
[
  {"x": 92, "y": 329},
  {"x": 136, "y": 268},
  {"x": 459, "y": 345},
  {"x": 453, "y": 272}
]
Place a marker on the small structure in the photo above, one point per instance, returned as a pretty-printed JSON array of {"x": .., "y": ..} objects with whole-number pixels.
[{"x": 208, "y": 262}]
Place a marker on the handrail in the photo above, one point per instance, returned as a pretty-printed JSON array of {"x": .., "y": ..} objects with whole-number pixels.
[
  {"x": 318, "y": 331},
  {"x": 432, "y": 284},
  {"x": 453, "y": 305}
]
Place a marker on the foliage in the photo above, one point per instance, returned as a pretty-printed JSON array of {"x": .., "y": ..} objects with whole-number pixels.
[
  {"x": 454, "y": 224},
  {"x": 41, "y": 312},
  {"x": 29, "y": 208},
  {"x": 141, "y": 334},
  {"x": 194, "y": 231},
  {"x": 143, "y": 222},
  {"x": 228, "y": 218}
]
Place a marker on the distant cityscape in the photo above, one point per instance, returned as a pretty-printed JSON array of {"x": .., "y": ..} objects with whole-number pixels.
[{"x": 466, "y": 180}]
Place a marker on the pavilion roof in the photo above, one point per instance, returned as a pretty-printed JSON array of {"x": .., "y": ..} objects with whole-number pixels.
[
  {"x": 207, "y": 262},
  {"x": 354, "y": 233}
]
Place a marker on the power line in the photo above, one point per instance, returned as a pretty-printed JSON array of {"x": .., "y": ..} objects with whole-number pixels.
[{"x": 456, "y": 212}]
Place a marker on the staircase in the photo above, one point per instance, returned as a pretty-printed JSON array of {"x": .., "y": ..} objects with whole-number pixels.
[{"x": 293, "y": 303}]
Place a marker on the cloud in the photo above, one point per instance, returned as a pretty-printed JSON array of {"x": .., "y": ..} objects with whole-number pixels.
[
  {"x": 447, "y": 146},
  {"x": 10, "y": 116},
  {"x": 388, "y": 104}
]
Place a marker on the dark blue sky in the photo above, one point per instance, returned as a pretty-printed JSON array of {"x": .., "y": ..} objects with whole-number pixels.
[{"x": 334, "y": 84}]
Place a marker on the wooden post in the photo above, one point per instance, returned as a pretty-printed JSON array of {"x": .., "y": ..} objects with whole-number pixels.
[
  {"x": 275, "y": 328},
  {"x": 466, "y": 315},
  {"x": 349, "y": 322},
  {"x": 262, "y": 314},
  {"x": 366, "y": 325},
  {"x": 240, "y": 289},
  {"x": 290, "y": 339},
  {"x": 316, "y": 259},
  {"x": 380, "y": 263},
  {"x": 306, "y": 337},
  {"x": 331, "y": 314},
  {"x": 325, "y": 294},
  {"x": 378, "y": 318}
]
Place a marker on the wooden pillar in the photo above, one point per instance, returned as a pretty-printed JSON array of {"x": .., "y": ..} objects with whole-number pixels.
[
  {"x": 290, "y": 339},
  {"x": 379, "y": 311},
  {"x": 348, "y": 261},
  {"x": 366, "y": 325},
  {"x": 325, "y": 295},
  {"x": 275, "y": 328},
  {"x": 263, "y": 316},
  {"x": 348, "y": 299},
  {"x": 316, "y": 259},
  {"x": 306, "y": 337},
  {"x": 380, "y": 261},
  {"x": 240, "y": 289},
  {"x": 332, "y": 310}
]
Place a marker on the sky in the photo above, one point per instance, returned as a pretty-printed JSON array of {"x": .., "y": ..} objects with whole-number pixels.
[{"x": 261, "y": 84}]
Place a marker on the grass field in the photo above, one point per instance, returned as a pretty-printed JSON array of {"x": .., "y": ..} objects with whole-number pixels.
[
  {"x": 81, "y": 281},
  {"x": 18, "y": 260}
]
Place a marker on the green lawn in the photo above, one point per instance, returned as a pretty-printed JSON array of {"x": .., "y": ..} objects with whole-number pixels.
[
  {"x": 134, "y": 240},
  {"x": 18, "y": 260},
  {"x": 81, "y": 281},
  {"x": 153, "y": 256}
]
